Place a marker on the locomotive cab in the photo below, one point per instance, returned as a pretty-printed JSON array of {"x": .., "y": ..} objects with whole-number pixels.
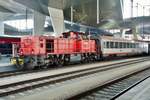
[{"x": 32, "y": 51}]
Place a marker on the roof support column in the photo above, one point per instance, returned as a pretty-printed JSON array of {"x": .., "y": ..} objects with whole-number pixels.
[
  {"x": 1, "y": 28},
  {"x": 39, "y": 21},
  {"x": 57, "y": 19},
  {"x": 98, "y": 13}
]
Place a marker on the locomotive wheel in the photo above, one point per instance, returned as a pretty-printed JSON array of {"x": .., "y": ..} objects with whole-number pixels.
[
  {"x": 66, "y": 59},
  {"x": 20, "y": 67},
  {"x": 99, "y": 57},
  {"x": 92, "y": 57},
  {"x": 87, "y": 58},
  {"x": 29, "y": 66},
  {"x": 60, "y": 62},
  {"x": 84, "y": 58}
]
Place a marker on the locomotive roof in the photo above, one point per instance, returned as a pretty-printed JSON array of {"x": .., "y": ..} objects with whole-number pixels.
[{"x": 38, "y": 36}]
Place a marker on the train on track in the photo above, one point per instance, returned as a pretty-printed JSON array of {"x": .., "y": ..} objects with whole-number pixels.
[{"x": 36, "y": 51}]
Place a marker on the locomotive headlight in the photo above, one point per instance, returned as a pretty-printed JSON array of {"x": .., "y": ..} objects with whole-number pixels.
[
  {"x": 13, "y": 61},
  {"x": 21, "y": 61}
]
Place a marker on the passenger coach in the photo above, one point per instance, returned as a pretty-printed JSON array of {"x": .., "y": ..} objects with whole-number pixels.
[{"x": 111, "y": 46}]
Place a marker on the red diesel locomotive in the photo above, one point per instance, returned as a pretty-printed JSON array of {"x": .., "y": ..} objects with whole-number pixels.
[{"x": 38, "y": 51}]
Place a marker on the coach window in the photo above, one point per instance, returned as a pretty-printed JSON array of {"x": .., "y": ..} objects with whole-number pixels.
[
  {"x": 137, "y": 45},
  {"x": 130, "y": 45},
  {"x": 120, "y": 44},
  {"x": 111, "y": 44},
  {"x": 116, "y": 44},
  {"x": 127, "y": 45},
  {"x": 107, "y": 43},
  {"x": 104, "y": 44},
  {"x": 124, "y": 45},
  {"x": 134, "y": 45}
]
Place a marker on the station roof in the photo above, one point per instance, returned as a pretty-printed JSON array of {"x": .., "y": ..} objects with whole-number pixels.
[{"x": 84, "y": 12}]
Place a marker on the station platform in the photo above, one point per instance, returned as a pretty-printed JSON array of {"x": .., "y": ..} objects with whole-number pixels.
[
  {"x": 5, "y": 61},
  {"x": 139, "y": 92},
  {"x": 5, "y": 64}
]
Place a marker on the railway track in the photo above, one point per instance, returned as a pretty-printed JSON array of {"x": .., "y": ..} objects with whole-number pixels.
[
  {"x": 115, "y": 89},
  {"x": 30, "y": 84},
  {"x": 20, "y": 72}
]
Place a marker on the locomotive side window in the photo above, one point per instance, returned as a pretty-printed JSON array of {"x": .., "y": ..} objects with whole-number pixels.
[
  {"x": 41, "y": 45},
  {"x": 49, "y": 46},
  {"x": 66, "y": 35},
  {"x": 84, "y": 37}
]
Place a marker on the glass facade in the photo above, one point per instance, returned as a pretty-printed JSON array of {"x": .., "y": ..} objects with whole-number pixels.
[{"x": 136, "y": 8}]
